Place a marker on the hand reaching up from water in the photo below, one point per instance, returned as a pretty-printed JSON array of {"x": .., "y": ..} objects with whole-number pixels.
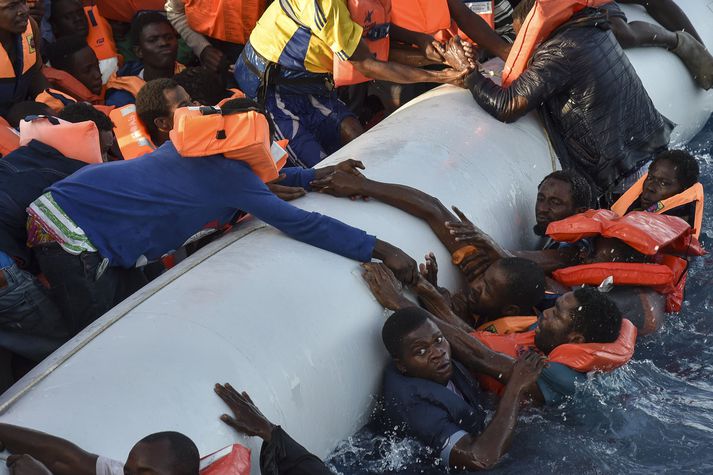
[
  {"x": 385, "y": 287},
  {"x": 527, "y": 369},
  {"x": 247, "y": 418},
  {"x": 429, "y": 269},
  {"x": 466, "y": 232}
]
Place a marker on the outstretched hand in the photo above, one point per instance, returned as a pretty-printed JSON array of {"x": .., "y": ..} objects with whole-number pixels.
[
  {"x": 247, "y": 418},
  {"x": 466, "y": 232},
  {"x": 429, "y": 270},
  {"x": 527, "y": 369},
  {"x": 351, "y": 166},
  {"x": 287, "y": 193},
  {"x": 340, "y": 184},
  {"x": 385, "y": 286}
]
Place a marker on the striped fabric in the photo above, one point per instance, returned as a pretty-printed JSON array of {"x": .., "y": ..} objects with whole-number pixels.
[
  {"x": 47, "y": 220},
  {"x": 502, "y": 12}
]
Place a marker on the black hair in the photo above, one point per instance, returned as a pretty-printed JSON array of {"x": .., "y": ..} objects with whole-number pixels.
[
  {"x": 55, "y": 2},
  {"x": 202, "y": 85},
  {"x": 22, "y": 109},
  {"x": 61, "y": 53},
  {"x": 597, "y": 317},
  {"x": 141, "y": 21},
  {"x": 186, "y": 460},
  {"x": 81, "y": 112},
  {"x": 687, "y": 170},
  {"x": 151, "y": 103},
  {"x": 525, "y": 282},
  {"x": 398, "y": 325},
  {"x": 581, "y": 190},
  {"x": 521, "y": 11}
]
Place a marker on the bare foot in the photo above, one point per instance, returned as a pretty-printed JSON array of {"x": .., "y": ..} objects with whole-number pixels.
[{"x": 455, "y": 55}]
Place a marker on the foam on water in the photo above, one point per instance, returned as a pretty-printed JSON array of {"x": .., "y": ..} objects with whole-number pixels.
[{"x": 655, "y": 415}]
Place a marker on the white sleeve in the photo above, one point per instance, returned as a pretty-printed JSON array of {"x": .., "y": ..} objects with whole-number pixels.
[
  {"x": 107, "y": 466},
  {"x": 176, "y": 12}
]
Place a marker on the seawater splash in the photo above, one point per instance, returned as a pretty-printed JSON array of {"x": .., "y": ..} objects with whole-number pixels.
[{"x": 655, "y": 415}]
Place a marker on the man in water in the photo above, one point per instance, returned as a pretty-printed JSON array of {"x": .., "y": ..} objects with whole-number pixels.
[
  {"x": 432, "y": 397},
  {"x": 599, "y": 116},
  {"x": 560, "y": 194}
]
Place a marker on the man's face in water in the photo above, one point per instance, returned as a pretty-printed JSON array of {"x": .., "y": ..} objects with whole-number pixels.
[
  {"x": 487, "y": 293},
  {"x": 426, "y": 354},
  {"x": 554, "y": 202},
  {"x": 660, "y": 184},
  {"x": 555, "y": 325}
]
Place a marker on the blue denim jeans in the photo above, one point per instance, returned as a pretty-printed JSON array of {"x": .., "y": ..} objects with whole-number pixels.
[{"x": 30, "y": 323}]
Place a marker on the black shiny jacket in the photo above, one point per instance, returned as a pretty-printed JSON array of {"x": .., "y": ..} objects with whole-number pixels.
[{"x": 596, "y": 110}]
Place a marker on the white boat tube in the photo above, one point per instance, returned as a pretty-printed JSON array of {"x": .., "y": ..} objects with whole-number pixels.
[{"x": 293, "y": 325}]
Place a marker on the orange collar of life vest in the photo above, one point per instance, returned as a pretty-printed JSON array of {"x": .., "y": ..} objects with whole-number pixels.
[
  {"x": 68, "y": 84},
  {"x": 29, "y": 55}
]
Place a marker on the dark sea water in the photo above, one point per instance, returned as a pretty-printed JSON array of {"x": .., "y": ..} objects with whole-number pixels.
[{"x": 655, "y": 415}]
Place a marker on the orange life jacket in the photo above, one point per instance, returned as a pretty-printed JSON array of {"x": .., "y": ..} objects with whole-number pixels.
[
  {"x": 124, "y": 10},
  {"x": 130, "y": 84},
  {"x": 101, "y": 39},
  {"x": 79, "y": 141},
  {"x": 544, "y": 18},
  {"x": 131, "y": 135},
  {"x": 225, "y": 20},
  {"x": 58, "y": 100},
  {"x": 9, "y": 138},
  {"x": 581, "y": 357},
  {"x": 693, "y": 195},
  {"x": 652, "y": 234},
  {"x": 423, "y": 16},
  {"x": 232, "y": 460},
  {"x": 241, "y": 135},
  {"x": 507, "y": 325},
  {"x": 374, "y": 16},
  {"x": 69, "y": 85},
  {"x": 29, "y": 55}
]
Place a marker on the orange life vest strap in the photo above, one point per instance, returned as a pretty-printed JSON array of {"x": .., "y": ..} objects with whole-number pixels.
[
  {"x": 694, "y": 194},
  {"x": 648, "y": 233},
  {"x": 423, "y": 16},
  {"x": 131, "y": 135},
  {"x": 243, "y": 135},
  {"x": 507, "y": 325},
  {"x": 70, "y": 85},
  {"x": 29, "y": 55},
  {"x": 544, "y": 18},
  {"x": 78, "y": 141},
  {"x": 9, "y": 138}
]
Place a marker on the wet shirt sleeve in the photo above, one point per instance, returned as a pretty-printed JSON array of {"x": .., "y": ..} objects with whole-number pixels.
[{"x": 557, "y": 381}]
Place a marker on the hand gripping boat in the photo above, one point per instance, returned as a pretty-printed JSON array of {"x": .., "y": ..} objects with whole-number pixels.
[{"x": 293, "y": 325}]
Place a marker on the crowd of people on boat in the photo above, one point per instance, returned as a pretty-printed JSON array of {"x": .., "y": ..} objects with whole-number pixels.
[{"x": 134, "y": 132}]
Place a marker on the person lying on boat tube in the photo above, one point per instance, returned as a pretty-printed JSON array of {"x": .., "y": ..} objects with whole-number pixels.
[
  {"x": 430, "y": 394},
  {"x": 599, "y": 117},
  {"x": 583, "y": 332},
  {"x": 116, "y": 217},
  {"x": 161, "y": 453},
  {"x": 510, "y": 287}
]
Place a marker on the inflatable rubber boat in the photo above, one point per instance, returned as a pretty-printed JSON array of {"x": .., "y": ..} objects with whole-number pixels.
[{"x": 293, "y": 325}]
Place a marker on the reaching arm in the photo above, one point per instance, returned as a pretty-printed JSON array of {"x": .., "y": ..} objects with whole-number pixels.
[
  {"x": 478, "y": 30},
  {"x": 60, "y": 456},
  {"x": 668, "y": 14},
  {"x": 482, "y": 452}
]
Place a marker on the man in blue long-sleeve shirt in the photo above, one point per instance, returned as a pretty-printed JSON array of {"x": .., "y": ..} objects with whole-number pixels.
[{"x": 90, "y": 229}]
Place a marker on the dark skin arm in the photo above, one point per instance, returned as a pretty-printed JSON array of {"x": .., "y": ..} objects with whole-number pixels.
[
  {"x": 425, "y": 43},
  {"x": 668, "y": 14},
  {"x": 478, "y": 29},
  {"x": 289, "y": 193},
  {"x": 60, "y": 456},
  {"x": 483, "y": 451}
]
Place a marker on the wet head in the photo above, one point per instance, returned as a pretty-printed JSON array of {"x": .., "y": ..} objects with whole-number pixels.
[
  {"x": 417, "y": 346},
  {"x": 670, "y": 173},
  {"x": 582, "y": 316},
  {"x": 67, "y": 18},
  {"x": 154, "y": 40},
  {"x": 163, "y": 453},
  {"x": 560, "y": 195},
  {"x": 509, "y": 287},
  {"x": 14, "y": 15}
]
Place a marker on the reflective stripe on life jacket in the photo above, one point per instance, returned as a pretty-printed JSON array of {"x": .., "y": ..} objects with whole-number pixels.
[
  {"x": 131, "y": 135},
  {"x": 68, "y": 84},
  {"x": 78, "y": 141},
  {"x": 581, "y": 357},
  {"x": 237, "y": 135},
  {"x": 507, "y": 325},
  {"x": 374, "y": 16},
  {"x": 544, "y": 18},
  {"x": 232, "y": 460},
  {"x": 423, "y": 16},
  {"x": 9, "y": 138},
  {"x": 648, "y": 233},
  {"x": 692, "y": 195},
  {"x": 225, "y": 20}
]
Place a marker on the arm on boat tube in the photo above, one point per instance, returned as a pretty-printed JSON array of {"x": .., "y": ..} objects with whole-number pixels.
[
  {"x": 668, "y": 14},
  {"x": 483, "y": 451},
  {"x": 478, "y": 30},
  {"x": 60, "y": 456},
  {"x": 547, "y": 74}
]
